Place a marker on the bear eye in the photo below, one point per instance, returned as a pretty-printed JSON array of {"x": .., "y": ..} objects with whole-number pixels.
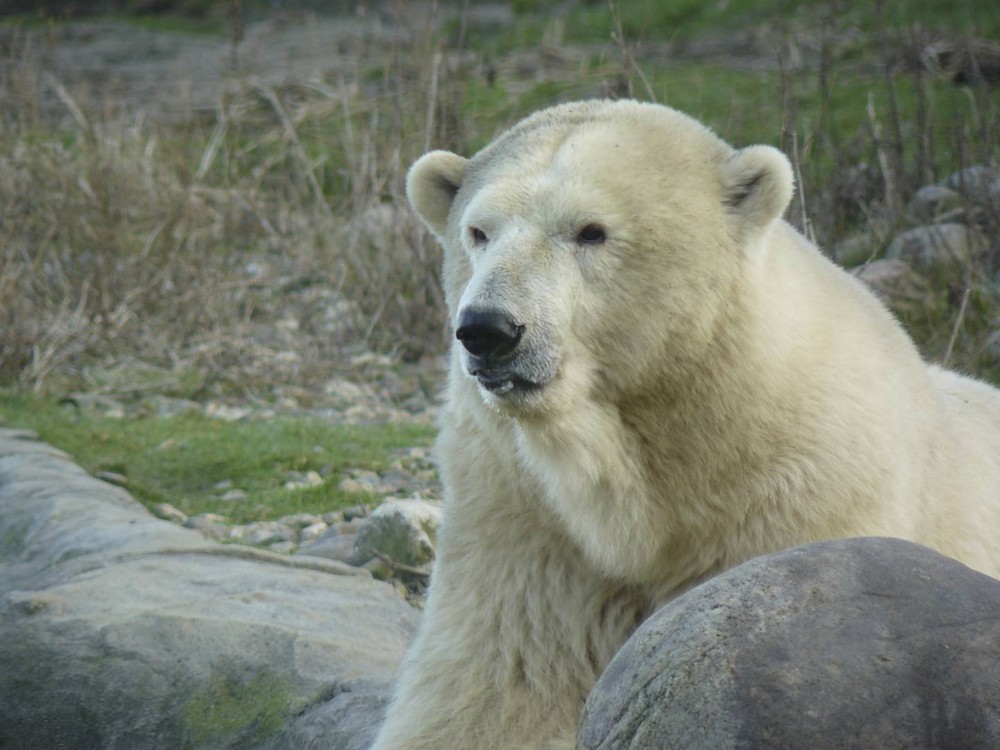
[
  {"x": 478, "y": 236},
  {"x": 592, "y": 234}
]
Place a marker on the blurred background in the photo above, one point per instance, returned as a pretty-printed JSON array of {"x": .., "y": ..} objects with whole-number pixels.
[{"x": 205, "y": 199}]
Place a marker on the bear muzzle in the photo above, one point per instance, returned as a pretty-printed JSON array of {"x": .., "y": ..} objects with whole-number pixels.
[{"x": 491, "y": 340}]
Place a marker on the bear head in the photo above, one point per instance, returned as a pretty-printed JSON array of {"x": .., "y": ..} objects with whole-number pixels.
[{"x": 592, "y": 249}]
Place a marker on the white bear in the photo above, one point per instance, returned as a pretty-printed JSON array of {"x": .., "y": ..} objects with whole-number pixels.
[{"x": 654, "y": 378}]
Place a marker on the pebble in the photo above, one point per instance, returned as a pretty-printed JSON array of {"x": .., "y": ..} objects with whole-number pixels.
[
  {"x": 211, "y": 525},
  {"x": 269, "y": 532},
  {"x": 332, "y": 517},
  {"x": 353, "y": 486},
  {"x": 333, "y": 546},
  {"x": 356, "y": 511},
  {"x": 346, "y": 390},
  {"x": 227, "y": 413},
  {"x": 297, "y": 480},
  {"x": 168, "y": 512},
  {"x": 300, "y": 520},
  {"x": 311, "y": 532}
]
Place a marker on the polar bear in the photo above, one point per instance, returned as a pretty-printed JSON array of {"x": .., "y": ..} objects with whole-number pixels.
[{"x": 653, "y": 378}]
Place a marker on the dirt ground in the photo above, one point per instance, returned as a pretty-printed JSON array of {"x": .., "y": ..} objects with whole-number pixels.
[{"x": 174, "y": 75}]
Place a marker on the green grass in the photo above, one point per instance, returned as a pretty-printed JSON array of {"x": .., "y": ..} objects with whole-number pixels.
[
  {"x": 207, "y": 26},
  {"x": 656, "y": 19},
  {"x": 180, "y": 459}
]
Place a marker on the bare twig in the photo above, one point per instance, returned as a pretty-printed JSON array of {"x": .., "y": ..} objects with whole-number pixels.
[
  {"x": 432, "y": 100},
  {"x": 398, "y": 567},
  {"x": 629, "y": 63},
  {"x": 807, "y": 227},
  {"x": 958, "y": 325},
  {"x": 892, "y": 199},
  {"x": 71, "y": 105},
  {"x": 218, "y": 134},
  {"x": 293, "y": 138}
]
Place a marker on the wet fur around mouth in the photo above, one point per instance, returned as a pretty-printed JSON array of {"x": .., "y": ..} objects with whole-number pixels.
[{"x": 503, "y": 382}]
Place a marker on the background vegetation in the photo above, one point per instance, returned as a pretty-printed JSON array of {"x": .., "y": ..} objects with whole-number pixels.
[
  {"x": 264, "y": 242},
  {"x": 190, "y": 460}
]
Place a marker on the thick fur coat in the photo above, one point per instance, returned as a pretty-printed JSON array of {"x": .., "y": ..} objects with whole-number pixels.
[{"x": 656, "y": 378}]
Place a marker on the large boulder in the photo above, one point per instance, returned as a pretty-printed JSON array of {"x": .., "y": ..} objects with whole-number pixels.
[
  {"x": 120, "y": 630},
  {"x": 896, "y": 284},
  {"x": 947, "y": 246},
  {"x": 864, "y": 643},
  {"x": 403, "y": 530}
]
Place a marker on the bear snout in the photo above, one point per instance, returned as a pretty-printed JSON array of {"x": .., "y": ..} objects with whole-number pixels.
[{"x": 488, "y": 334}]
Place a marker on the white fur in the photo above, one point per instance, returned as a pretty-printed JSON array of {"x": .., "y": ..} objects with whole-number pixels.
[{"x": 715, "y": 389}]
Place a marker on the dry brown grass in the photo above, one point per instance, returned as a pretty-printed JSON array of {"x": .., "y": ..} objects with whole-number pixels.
[
  {"x": 266, "y": 242},
  {"x": 255, "y": 250}
]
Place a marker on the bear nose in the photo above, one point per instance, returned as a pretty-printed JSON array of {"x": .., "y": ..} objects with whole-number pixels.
[{"x": 486, "y": 333}]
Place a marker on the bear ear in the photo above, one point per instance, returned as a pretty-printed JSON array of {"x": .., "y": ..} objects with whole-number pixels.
[
  {"x": 431, "y": 186},
  {"x": 757, "y": 186}
]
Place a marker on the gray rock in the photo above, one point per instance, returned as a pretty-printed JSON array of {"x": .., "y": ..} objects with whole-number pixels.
[
  {"x": 312, "y": 532},
  {"x": 351, "y": 513},
  {"x": 333, "y": 546},
  {"x": 946, "y": 245},
  {"x": 993, "y": 194},
  {"x": 300, "y": 520},
  {"x": 211, "y": 525},
  {"x": 112, "y": 477},
  {"x": 364, "y": 482},
  {"x": 349, "y": 527},
  {"x": 993, "y": 343},
  {"x": 859, "y": 643},
  {"x": 297, "y": 480},
  {"x": 267, "y": 532},
  {"x": 896, "y": 284},
  {"x": 332, "y": 517},
  {"x": 973, "y": 182},
  {"x": 168, "y": 512},
  {"x": 120, "y": 630},
  {"x": 403, "y": 530},
  {"x": 933, "y": 201}
]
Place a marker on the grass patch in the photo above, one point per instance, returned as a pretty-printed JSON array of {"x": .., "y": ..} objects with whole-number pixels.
[
  {"x": 181, "y": 459},
  {"x": 229, "y": 713},
  {"x": 655, "y": 19}
]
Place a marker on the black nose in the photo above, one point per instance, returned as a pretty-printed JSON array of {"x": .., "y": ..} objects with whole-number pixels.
[{"x": 485, "y": 333}]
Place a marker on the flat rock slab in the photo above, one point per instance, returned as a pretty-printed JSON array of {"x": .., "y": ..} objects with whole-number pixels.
[
  {"x": 119, "y": 630},
  {"x": 858, "y": 643}
]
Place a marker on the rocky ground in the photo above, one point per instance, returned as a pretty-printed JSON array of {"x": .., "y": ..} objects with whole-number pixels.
[
  {"x": 120, "y": 630},
  {"x": 394, "y": 538},
  {"x": 380, "y": 391}
]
